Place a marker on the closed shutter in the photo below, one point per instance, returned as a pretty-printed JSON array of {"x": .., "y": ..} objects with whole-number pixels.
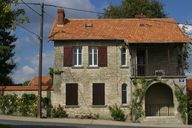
[
  {"x": 71, "y": 94},
  {"x": 102, "y": 56},
  {"x": 98, "y": 94},
  {"x": 68, "y": 55}
]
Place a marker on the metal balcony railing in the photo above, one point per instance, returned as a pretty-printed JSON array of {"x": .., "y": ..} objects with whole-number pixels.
[{"x": 157, "y": 70}]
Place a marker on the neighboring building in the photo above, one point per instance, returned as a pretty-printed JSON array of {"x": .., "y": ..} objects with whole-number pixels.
[
  {"x": 46, "y": 81},
  {"x": 100, "y": 58}
]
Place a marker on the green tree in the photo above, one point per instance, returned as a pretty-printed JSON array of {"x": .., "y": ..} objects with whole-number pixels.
[
  {"x": 131, "y": 8},
  {"x": 8, "y": 18}
]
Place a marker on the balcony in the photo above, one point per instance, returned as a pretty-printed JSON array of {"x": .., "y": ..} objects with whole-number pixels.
[{"x": 157, "y": 70}]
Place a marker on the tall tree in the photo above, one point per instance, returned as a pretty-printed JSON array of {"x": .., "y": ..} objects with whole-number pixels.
[
  {"x": 8, "y": 18},
  {"x": 131, "y": 8}
]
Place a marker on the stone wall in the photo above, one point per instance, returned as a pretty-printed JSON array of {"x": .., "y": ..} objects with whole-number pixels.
[{"x": 113, "y": 76}]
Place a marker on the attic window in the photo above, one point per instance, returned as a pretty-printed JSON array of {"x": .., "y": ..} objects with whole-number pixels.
[{"x": 88, "y": 25}]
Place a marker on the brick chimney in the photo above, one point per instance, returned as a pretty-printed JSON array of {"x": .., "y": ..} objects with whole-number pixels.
[{"x": 60, "y": 17}]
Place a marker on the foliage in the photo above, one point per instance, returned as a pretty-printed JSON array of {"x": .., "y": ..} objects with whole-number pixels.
[
  {"x": 186, "y": 49},
  {"x": 8, "y": 19},
  {"x": 9, "y": 104},
  {"x": 131, "y": 8},
  {"x": 117, "y": 113},
  {"x": 138, "y": 96},
  {"x": 182, "y": 99},
  {"x": 90, "y": 116},
  {"x": 28, "y": 105},
  {"x": 59, "y": 112},
  {"x": 53, "y": 71},
  {"x": 190, "y": 116},
  {"x": 26, "y": 83}
]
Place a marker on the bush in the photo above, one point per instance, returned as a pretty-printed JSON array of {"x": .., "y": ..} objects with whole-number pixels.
[
  {"x": 89, "y": 116},
  {"x": 28, "y": 105},
  {"x": 117, "y": 113},
  {"x": 59, "y": 112},
  {"x": 9, "y": 104},
  {"x": 190, "y": 117}
]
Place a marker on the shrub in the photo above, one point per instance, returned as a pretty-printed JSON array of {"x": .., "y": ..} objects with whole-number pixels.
[
  {"x": 117, "y": 113},
  {"x": 59, "y": 112},
  {"x": 9, "y": 104},
  {"x": 89, "y": 116},
  {"x": 190, "y": 117},
  {"x": 28, "y": 105}
]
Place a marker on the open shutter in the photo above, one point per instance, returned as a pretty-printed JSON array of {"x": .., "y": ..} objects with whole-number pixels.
[
  {"x": 102, "y": 56},
  {"x": 68, "y": 55}
]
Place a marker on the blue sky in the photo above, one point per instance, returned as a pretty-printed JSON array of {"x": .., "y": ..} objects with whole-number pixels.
[{"x": 27, "y": 45}]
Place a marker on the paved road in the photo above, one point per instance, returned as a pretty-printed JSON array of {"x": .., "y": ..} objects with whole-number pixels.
[{"x": 29, "y": 124}]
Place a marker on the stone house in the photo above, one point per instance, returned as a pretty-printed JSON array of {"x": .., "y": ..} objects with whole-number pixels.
[{"x": 100, "y": 58}]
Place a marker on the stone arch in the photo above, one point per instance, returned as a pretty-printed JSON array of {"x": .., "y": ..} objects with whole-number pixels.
[{"x": 159, "y": 100}]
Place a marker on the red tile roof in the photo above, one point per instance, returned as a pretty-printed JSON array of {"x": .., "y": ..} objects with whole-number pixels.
[
  {"x": 32, "y": 86},
  {"x": 46, "y": 81},
  {"x": 154, "y": 30}
]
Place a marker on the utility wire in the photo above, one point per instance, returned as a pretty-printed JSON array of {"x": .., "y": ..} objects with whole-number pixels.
[
  {"x": 21, "y": 26},
  {"x": 74, "y": 9},
  {"x": 31, "y": 8},
  {"x": 56, "y": 6}
]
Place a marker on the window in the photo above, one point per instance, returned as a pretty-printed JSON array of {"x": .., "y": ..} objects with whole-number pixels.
[
  {"x": 124, "y": 93},
  {"x": 93, "y": 56},
  {"x": 71, "y": 94},
  {"x": 123, "y": 57},
  {"x": 77, "y": 56},
  {"x": 98, "y": 94}
]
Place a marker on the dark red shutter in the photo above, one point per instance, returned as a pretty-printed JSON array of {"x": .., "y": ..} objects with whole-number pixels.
[
  {"x": 98, "y": 94},
  {"x": 68, "y": 55},
  {"x": 71, "y": 94},
  {"x": 102, "y": 56}
]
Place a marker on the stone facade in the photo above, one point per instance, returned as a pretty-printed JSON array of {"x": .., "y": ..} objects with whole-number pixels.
[{"x": 113, "y": 76}]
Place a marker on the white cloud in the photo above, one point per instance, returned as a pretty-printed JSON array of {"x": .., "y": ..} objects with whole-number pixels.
[
  {"x": 26, "y": 70},
  {"x": 22, "y": 74}
]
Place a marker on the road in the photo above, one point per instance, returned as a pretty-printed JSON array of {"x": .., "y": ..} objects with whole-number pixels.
[{"x": 29, "y": 124}]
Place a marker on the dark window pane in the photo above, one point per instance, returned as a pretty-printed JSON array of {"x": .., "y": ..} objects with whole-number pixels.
[
  {"x": 123, "y": 56},
  {"x": 124, "y": 94}
]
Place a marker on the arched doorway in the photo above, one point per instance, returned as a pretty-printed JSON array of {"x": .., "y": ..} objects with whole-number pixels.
[{"x": 159, "y": 100}]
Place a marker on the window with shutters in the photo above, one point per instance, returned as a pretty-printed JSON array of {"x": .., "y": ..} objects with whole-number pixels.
[
  {"x": 98, "y": 94},
  {"x": 77, "y": 56},
  {"x": 71, "y": 94},
  {"x": 124, "y": 93},
  {"x": 123, "y": 57},
  {"x": 67, "y": 56},
  {"x": 93, "y": 56}
]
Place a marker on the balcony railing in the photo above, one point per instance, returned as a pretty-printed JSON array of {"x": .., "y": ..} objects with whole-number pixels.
[{"x": 157, "y": 70}]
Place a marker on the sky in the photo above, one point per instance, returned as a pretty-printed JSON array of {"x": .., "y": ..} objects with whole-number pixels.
[{"x": 27, "y": 44}]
